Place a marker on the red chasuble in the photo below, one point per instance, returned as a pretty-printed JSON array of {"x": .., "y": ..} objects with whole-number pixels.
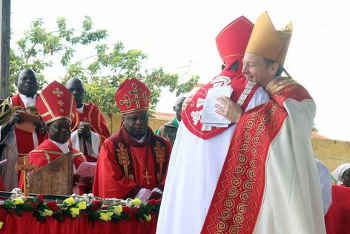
[
  {"x": 24, "y": 139},
  {"x": 93, "y": 115},
  {"x": 338, "y": 216},
  {"x": 124, "y": 165},
  {"x": 49, "y": 151},
  {"x": 238, "y": 196}
]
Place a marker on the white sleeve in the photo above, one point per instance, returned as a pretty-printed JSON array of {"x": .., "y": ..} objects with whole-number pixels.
[{"x": 326, "y": 185}]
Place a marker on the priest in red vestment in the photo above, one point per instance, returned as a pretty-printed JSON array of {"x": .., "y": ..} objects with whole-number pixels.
[
  {"x": 28, "y": 136},
  {"x": 89, "y": 125},
  {"x": 269, "y": 182},
  {"x": 338, "y": 215},
  {"x": 56, "y": 106},
  {"x": 134, "y": 160}
]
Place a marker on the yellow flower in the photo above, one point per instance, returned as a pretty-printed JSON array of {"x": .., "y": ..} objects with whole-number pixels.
[
  {"x": 70, "y": 201},
  {"x": 136, "y": 202},
  {"x": 82, "y": 205},
  {"x": 74, "y": 211},
  {"x": 118, "y": 210},
  {"x": 48, "y": 212},
  {"x": 1, "y": 224},
  {"x": 18, "y": 201},
  {"x": 148, "y": 217},
  {"x": 107, "y": 216}
]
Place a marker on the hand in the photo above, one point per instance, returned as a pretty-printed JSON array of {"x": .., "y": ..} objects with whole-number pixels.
[
  {"x": 277, "y": 84},
  {"x": 229, "y": 109},
  {"x": 84, "y": 131},
  {"x": 17, "y": 117},
  {"x": 40, "y": 126}
]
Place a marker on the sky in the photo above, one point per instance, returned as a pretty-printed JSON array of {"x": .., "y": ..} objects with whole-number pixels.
[{"x": 180, "y": 37}]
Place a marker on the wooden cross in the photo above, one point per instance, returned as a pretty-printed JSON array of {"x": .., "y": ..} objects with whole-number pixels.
[
  {"x": 147, "y": 177},
  {"x": 23, "y": 165},
  {"x": 57, "y": 92}
]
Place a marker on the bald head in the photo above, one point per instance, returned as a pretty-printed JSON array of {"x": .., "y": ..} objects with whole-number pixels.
[
  {"x": 27, "y": 83},
  {"x": 76, "y": 87}
]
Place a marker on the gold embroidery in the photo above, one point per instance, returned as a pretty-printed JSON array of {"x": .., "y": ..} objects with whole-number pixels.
[
  {"x": 60, "y": 103},
  {"x": 135, "y": 92},
  {"x": 123, "y": 158},
  {"x": 160, "y": 158},
  {"x": 57, "y": 92}
]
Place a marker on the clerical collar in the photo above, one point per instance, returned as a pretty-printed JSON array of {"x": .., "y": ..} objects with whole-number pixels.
[
  {"x": 28, "y": 101},
  {"x": 141, "y": 140},
  {"x": 63, "y": 147},
  {"x": 81, "y": 109}
]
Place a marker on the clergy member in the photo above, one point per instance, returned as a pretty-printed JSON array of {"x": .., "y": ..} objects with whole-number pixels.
[
  {"x": 269, "y": 182},
  {"x": 89, "y": 126},
  {"x": 134, "y": 159},
  {"x": 169, "y": 130},
  {"x": 8, "y": 153},
  {"x": 27, "y": 137},
  {"x": 56, "y": 106},
  {"x": 200, "y": 149},
  {"x": 338, "y": 217}
]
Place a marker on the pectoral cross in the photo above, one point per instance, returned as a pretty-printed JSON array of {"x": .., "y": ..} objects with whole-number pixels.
[
  {"x": 23, "y": 165},
  {"x": 147, "y": 177}
]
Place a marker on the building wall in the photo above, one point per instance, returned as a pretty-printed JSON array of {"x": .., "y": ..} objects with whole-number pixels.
[{"x": 332, "y": 153}]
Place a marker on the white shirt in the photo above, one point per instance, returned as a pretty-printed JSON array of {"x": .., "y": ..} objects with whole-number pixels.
[
  {"x": 63, "y": 147},
  {"x": 28, "y": 101}
]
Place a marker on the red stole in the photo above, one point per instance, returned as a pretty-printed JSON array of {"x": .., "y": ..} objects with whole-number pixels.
[
  {"x": 124, "y": 165},
  {"x": 24, "y": 139},
  {"x": 93, "y": 115},
  {"x": 238, "y": 196},
  {"x": 192, "y": 114},
  {"x": 338, "y": 216}
]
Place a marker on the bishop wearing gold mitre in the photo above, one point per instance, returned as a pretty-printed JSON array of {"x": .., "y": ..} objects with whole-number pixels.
[
  {"x": 269, "y": 182},
  {"x": 134, "y": 159},
  {"x": 56, "y": 106}
]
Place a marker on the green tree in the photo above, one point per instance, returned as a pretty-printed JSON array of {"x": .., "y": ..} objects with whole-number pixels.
[{"x": 102, "y": 71}]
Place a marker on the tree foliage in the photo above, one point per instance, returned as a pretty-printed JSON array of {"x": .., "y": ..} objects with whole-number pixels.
[{"x": 102, "y": 70}]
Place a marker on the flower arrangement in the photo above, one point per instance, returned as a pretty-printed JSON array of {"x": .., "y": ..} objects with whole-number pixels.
[{"x": 86, "y": 205}]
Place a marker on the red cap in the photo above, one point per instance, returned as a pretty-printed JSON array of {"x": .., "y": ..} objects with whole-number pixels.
[
  {"x": 55, "y": 102},
  {"x": 132, "y": 96},
  {"x": 233, "y": 39}
]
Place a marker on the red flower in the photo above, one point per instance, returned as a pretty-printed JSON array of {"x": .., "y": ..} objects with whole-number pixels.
[
  {"x": 52, "y": 206},
  {"x": 96, "y": 204},
  {"x": 154, "y": 201},
  {"x": 41, "y": 197},
  {"x": 130, "y": 210},
  {"x": 33, "y": 204}
]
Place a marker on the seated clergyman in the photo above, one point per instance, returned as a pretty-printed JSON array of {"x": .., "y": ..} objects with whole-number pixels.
[{"x": 56, "y": 106}]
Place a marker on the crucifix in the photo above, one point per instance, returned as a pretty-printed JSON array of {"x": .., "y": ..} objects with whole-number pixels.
[
  {"x": 23, "y": 165},
  {"x": 147, "y": 177}
]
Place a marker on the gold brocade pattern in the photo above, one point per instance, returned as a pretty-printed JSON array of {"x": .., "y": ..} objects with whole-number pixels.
[
  {"x": 123, "y": 158},
  {"x": 160, "y": 158},
  {"x": 244, "y": 175}
]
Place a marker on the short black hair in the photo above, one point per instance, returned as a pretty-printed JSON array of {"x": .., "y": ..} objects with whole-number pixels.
[
  {"x": 269, "y": 62},
  {"x": 234, "y": 66}
]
